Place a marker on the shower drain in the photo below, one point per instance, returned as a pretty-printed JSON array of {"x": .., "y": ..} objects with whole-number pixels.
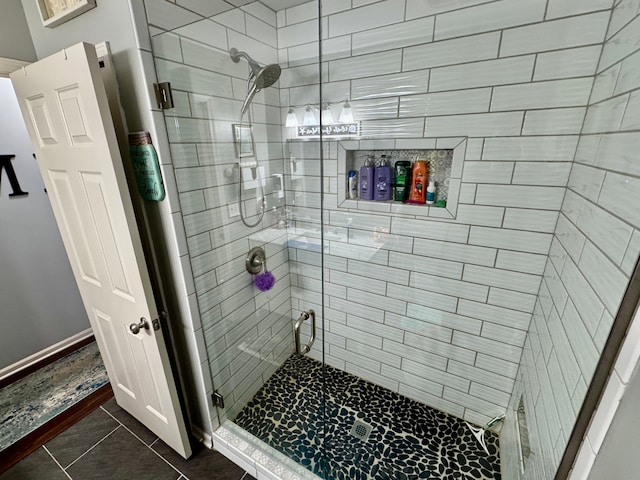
[{"x": 361, "y": 430}]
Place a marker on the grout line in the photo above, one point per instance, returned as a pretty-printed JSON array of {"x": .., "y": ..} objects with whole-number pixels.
[
  {"x": 160, "y": 456},
  {"x": 182, "y": 476},
  {"x": 125, "y": 427},
  {"x": 55, "y": 460},
  {"x": 546, "y": 12},
  {"x": 91, "y": 448}
]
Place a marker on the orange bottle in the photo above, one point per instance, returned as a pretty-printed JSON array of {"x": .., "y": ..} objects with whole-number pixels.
[{"x": 419, "y": 181}]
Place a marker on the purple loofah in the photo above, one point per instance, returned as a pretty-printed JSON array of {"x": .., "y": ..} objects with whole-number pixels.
[{"x": 265, "y": 281}]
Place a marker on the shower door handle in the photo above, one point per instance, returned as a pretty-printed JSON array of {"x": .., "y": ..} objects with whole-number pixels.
[{"x": 304, "y": 316}]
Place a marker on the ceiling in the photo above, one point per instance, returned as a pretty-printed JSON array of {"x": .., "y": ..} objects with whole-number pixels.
[{"x": 277, "y": 5}]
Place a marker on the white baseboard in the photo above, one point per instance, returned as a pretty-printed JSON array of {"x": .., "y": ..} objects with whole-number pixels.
[{"x": 42, "y": 354}]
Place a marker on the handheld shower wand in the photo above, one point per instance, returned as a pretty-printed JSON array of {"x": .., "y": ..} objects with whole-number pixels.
[{"x": 259, "y": 77}]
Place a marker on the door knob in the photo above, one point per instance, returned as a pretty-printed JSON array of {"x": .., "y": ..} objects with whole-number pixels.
[{"x": 136, "y": 327}]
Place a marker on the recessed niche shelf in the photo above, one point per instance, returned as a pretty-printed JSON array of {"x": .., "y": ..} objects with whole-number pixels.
[
  {"x": 438, "y": 161},
  {"x": 445, "y": 156}
]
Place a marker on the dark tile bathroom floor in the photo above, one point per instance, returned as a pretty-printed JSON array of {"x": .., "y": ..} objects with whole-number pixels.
[
  {"x": 394, "y": 437},
  {"x": 110, "y": 444}
]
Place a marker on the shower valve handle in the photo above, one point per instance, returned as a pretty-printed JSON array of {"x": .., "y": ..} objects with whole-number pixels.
[{"x": 256, "y": 260}]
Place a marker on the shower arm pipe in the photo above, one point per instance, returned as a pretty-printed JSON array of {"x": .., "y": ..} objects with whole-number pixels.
[{"x": 235, "y": 54}]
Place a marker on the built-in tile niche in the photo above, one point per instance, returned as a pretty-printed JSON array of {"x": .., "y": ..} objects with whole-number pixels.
[
  {"x": 444, "y": 156},
  {"x": 438, "y": 164}
]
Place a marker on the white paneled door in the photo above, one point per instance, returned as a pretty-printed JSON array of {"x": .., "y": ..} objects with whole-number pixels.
[{"x": 64, "y": 103}]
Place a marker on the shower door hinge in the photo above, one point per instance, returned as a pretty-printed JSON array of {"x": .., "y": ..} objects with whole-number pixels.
[
  {"x": 217, "y": 399},
  {"x": 164, "y": 97}
]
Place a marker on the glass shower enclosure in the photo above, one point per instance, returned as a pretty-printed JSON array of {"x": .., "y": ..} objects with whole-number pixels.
[{"x": 471, "y": 298}]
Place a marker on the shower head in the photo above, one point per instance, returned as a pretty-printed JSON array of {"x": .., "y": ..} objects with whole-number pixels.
[
  {"x": 262, "y": 76},
  {"x": 268, "y": 75}
]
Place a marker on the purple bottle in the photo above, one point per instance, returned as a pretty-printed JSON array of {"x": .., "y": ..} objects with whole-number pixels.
[
  {"x": 367, "y": 183},
  {"x": 383, "y": 180}
]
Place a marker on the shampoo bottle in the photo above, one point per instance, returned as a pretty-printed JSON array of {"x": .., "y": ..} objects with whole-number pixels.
[
  {"x": 366, "y": 179},
  {"x": 418, "y": 192},
  {"x": 401, "y": 183},
  {"x": 383, "y": 180}
]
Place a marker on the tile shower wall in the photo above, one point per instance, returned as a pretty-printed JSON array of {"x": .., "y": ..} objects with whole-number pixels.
[
  {"x": 438, "y": 310},
  {"x": 247, "y": 333},
  {"x": 594, "y": 250}
]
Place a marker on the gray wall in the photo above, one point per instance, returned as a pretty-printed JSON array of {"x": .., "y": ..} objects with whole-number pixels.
[
  {"x": 41, "y": 305},
  {"x": 15, "y": 40},
  {"x": 112, "y": 21},
  {"x": 109, "y": 21}
]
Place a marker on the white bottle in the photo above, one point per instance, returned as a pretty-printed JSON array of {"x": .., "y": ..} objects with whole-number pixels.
[
  {"x": 431, "y": 193},
  {"x": 353, "y": 185}
]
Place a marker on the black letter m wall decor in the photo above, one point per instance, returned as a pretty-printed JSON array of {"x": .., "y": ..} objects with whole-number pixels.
[{"x": 5, "y": 164}]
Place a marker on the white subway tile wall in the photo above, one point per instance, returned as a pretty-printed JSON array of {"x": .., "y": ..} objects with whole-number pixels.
[
  {"x": 248, "y": 332},
  {"x": 588, "y": 268},
  {"x": 537, "y": 73},
  {"x": 444, "y": 311},
  {"x": 501, "y": 74}
]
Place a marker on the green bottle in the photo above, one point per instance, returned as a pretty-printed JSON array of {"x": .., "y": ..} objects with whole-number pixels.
[
  {"x": 403, "y": 172},
  {"x": 146, "y": 166}
]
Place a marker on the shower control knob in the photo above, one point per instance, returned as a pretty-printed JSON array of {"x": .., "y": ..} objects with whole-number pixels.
[
  {"x": 136, "y": 327},
  {"x": 256, "y": 260}
]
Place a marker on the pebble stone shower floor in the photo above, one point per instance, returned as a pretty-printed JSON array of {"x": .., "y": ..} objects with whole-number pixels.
[{"x": 408, "y": 440}]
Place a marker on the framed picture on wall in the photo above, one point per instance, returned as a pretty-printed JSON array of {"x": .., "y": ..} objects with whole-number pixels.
[
  {"x": 55, "y": 12},
  {"x": 243, "y": 139}
]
